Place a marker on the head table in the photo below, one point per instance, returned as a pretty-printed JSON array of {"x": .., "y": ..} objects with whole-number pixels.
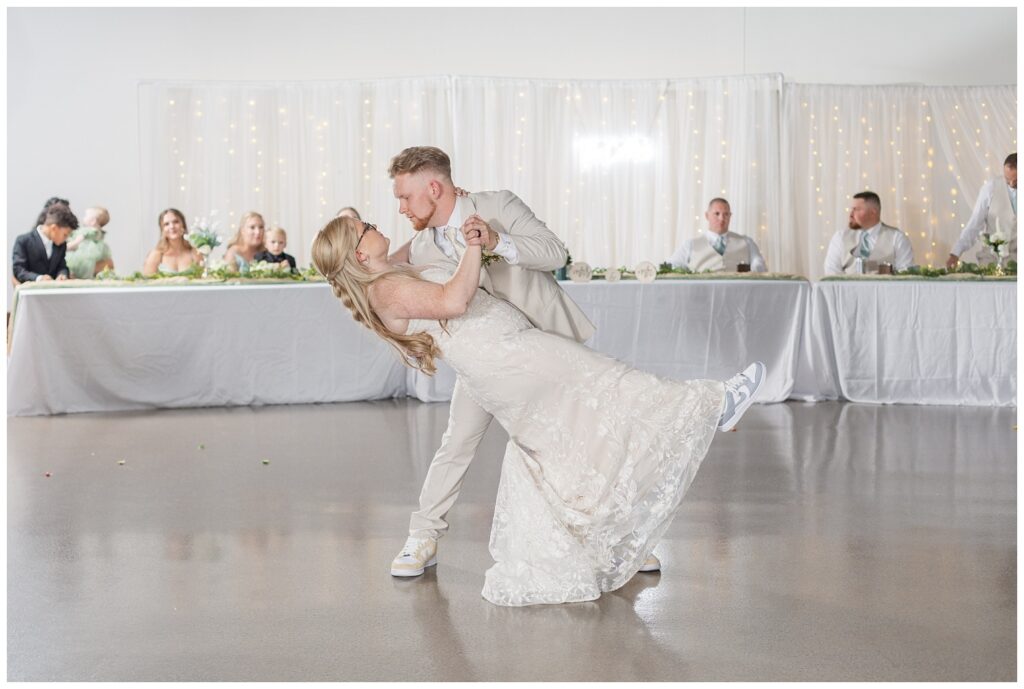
[{"x": 90, "y": 346}]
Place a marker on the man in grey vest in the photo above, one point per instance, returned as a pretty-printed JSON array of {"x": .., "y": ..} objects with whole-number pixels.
[
  {"x": 718, "y": 249},
  {"x": 996, "y": 208},
  {"x": 867, "y": 239},
  {"x": 527, "y": 254}
]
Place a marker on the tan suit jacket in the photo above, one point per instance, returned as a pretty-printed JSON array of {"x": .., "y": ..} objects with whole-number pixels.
[{"x": 528, "y": 285}]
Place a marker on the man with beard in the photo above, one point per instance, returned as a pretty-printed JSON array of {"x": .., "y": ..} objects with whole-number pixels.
[
  {"x": 868, "y": 239},
  {"x": 524, "y": 252}
]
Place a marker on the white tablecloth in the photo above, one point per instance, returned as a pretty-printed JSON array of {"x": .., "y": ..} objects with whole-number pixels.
[
  {"x": 685, "y": 329},
  {"x": 919, "y": 342},
  {"x": 116, "y": 348}
]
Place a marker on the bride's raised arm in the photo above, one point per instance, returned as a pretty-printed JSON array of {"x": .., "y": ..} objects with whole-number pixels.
[{"x": 396, "y": 298}]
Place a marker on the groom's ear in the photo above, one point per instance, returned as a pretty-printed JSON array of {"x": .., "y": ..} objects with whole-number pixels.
[{"x": 435, "y": 188}]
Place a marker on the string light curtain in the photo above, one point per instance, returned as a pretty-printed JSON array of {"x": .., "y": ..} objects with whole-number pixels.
[
  {"x": 925, "y": 151},
  {"x": 296, "y": 153},
  {"x": 622, "y": 171}
]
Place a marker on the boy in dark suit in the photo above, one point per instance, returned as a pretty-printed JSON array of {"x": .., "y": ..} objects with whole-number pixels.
[
  {"x": 39, "y": 254},
  {"x": 276, "y": 241}
]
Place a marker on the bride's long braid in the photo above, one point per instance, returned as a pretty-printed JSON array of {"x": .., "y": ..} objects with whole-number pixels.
[{"x": 334, "y": 258}]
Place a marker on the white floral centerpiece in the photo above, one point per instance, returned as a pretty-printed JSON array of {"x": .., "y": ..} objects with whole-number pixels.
[
  {"x": 999, "y": 242},
  {"x": 265, "y": 269},
  {"x": 204, "y": 238}
]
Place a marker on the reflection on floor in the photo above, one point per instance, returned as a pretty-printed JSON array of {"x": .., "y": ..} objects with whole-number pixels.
[{"x": 829, "y": 541}]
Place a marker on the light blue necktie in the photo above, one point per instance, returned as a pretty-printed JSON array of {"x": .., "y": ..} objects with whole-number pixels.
[
  {"x": 720, "y": 245},
  {"x": 865, "y": 248}
]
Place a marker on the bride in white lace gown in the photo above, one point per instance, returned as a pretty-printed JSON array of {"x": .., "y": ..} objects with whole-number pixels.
[{"x": 600, "y": 454}]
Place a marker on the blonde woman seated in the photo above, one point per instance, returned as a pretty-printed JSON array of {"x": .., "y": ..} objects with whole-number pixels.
[
  {"x": 599, "y": 454},
  {"x": 247, "y": 242},
  {"x": 173, "y": 254}
]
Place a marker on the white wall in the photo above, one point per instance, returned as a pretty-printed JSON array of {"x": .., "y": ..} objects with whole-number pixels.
[{"x": 73, "y": 73}]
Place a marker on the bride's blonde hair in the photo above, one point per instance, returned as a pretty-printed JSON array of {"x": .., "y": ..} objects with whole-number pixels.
[{"x": 334, "y": 256}]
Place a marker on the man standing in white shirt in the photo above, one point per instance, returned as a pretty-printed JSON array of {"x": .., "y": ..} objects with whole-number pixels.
[
  {"x": 718, "y": 249},
  {"x": 997, "y": 200},
  {"x": 868, "y": 239}
]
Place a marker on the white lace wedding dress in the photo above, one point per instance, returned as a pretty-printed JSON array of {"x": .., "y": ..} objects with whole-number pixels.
[{"x": 598, "y": 459}]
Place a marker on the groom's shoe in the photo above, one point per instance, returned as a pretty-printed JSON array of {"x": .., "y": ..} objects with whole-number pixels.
[
  {"x": 416, "y": 556},
  {"x": 740, "y": 391},
  {"x": 651, "y": 564}
]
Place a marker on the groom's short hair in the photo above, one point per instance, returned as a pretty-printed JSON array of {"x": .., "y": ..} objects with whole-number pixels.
[{"x": 418, "y": 158}]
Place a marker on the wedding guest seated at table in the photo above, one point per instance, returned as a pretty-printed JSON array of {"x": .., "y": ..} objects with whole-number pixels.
[
  {"x": 173, "y": 254},
  {"x": 718, "y": 249},
  {"x": 348, "y": 212},
  {"x": 38, "y": 255},
  {"x": 50, "y": 203},
  {"x": 88, "y": 253},
  {"x": 996, "y": 208},
  {"x": 867, "y": 239},
  {"x": 247, "y": 242},
  {"x": 277, "y": 240}
]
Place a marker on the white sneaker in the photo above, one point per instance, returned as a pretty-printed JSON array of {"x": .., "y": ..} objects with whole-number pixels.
[
  {"x": 740, "y": 391},
  {"x": 651, "y": 564},
  {"x": 417, "y": 554}
]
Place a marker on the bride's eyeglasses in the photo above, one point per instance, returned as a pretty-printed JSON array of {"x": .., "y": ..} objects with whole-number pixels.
[{"x": 366, "y": 228}]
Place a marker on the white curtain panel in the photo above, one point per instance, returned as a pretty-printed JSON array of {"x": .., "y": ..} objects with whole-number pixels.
[
  {"x": 925, "y": 151},
  {"x": 296, "y": 153},
  {"x": 622, "y": 171}
]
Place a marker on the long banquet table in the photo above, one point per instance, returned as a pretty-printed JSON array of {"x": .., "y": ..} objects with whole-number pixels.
[
  {"x": 105, "y": 348},
  {"x": 911, "y": 341},
  {"x": 117, "y": 348}
]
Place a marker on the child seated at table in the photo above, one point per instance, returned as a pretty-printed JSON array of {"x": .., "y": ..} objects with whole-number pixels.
[
  {"x": 277, "y": 240},
  {"x": 88, "y": 253}
]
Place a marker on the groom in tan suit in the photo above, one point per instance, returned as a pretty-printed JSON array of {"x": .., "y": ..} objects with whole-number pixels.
[{"x": 526, "y": 253}]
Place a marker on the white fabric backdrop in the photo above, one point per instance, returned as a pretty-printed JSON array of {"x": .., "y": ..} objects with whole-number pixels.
[
  {"x": 925, "y": 151},
  {"x": 621, "y": 170}
]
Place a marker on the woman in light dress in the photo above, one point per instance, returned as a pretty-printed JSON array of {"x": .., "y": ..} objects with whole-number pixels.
[
  {"x": 173, "y": 254},
  {"x": 600, "y": 454},
  {"x": 249, "y": 240}
]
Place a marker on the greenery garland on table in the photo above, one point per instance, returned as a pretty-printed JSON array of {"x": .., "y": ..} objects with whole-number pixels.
[
  {"x": 256, "y": 273},
  {"x": 666, "y": 271},
  {"x": 964, "y": 271}
]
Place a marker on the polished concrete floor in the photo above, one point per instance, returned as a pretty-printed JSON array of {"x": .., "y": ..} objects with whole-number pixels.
[{"x": 818, "y": 542}]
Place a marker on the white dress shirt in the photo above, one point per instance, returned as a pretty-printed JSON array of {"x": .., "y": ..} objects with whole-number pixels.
[
  {"x": 681, "y": 258},
  {"x": 834, "y": 257},
  {"x": 976, "y": 225},
  {"x": 47, "y": 244},
  {"x": 505, "y": 247}
]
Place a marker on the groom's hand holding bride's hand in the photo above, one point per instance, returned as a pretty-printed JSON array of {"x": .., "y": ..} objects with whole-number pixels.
[{"x": 479, "y": 233}]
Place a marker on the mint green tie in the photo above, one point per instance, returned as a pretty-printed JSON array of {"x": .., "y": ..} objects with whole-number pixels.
[
  {"x": 865, "y": 250},
  {"x": 720, "y": 245}
]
